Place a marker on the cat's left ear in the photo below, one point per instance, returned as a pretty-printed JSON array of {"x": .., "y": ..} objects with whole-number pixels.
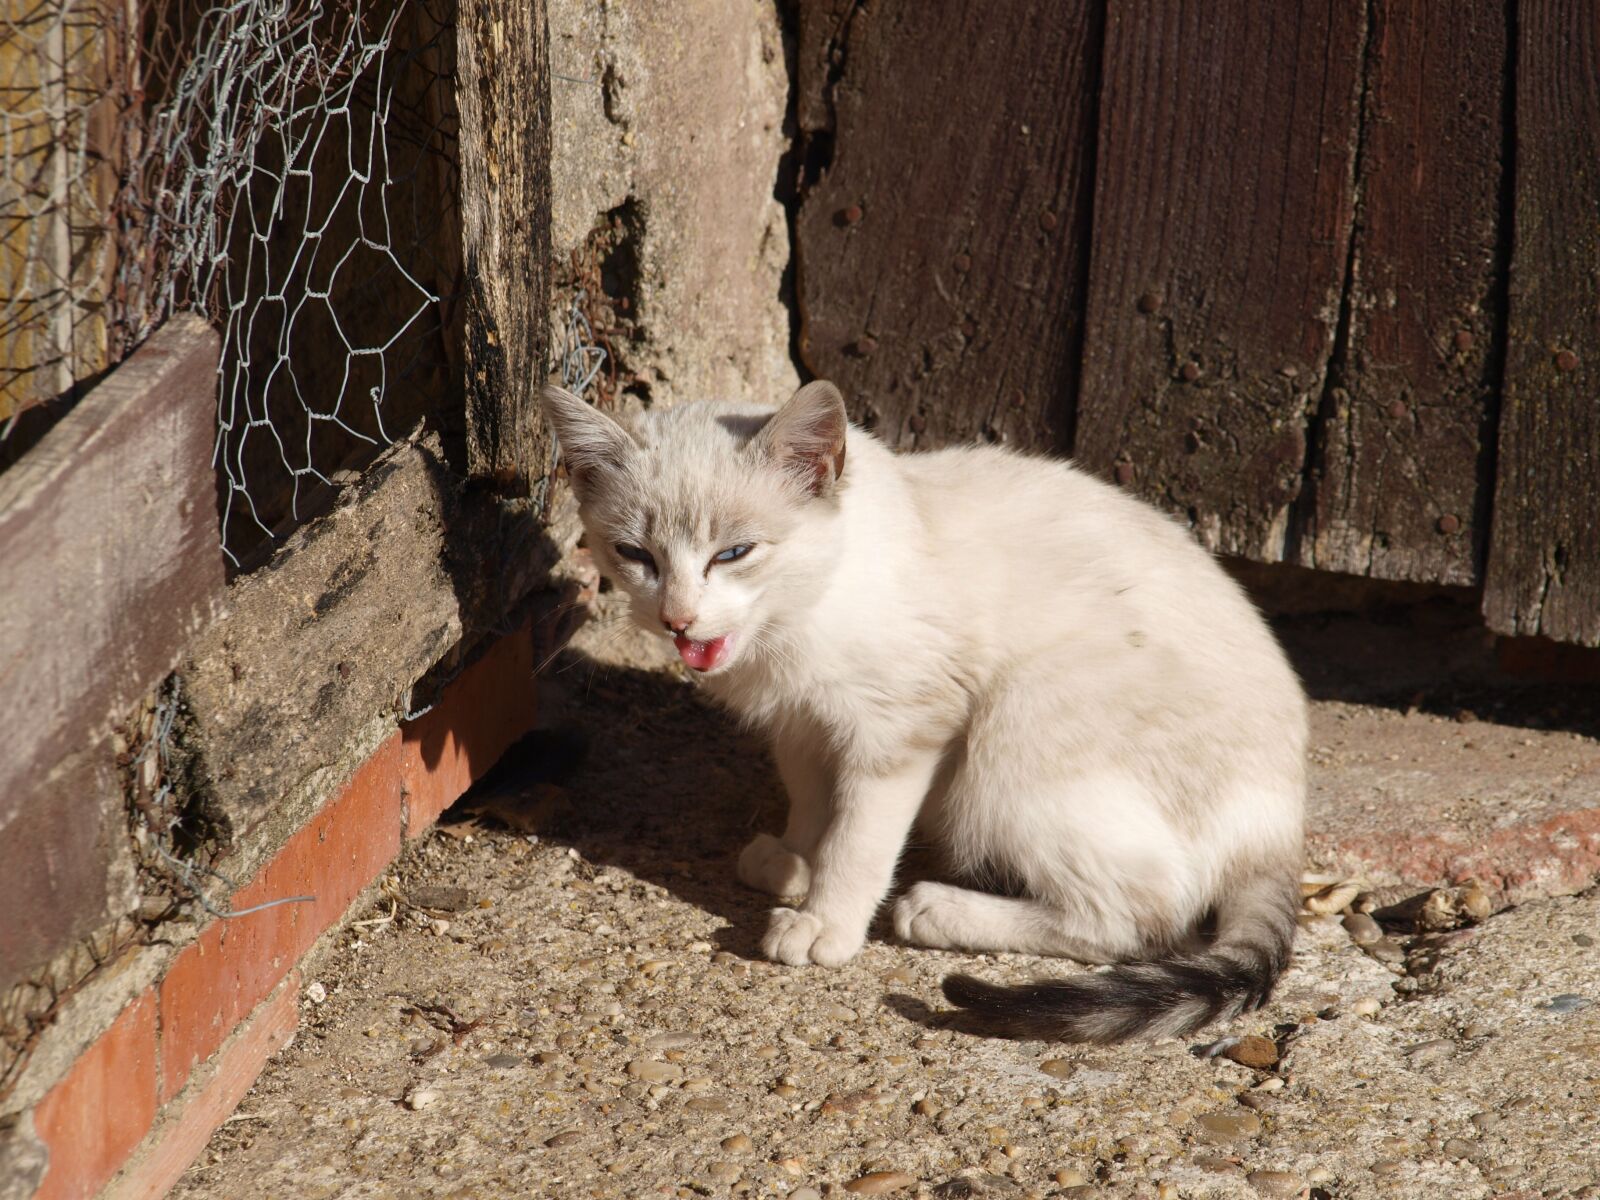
[
  {"x": 592, "y": 444},
  {"x": 806, "y": 437}
]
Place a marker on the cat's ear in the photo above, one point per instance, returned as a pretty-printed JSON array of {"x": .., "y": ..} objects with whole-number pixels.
[
  {"x": 806, "y": 436},
  {"x": 591, "y": 442}
]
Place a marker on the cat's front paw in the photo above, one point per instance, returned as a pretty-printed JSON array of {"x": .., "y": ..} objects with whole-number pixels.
[
  {"x": 798, "y": 938},
  {"x": 767, "y": 865}
]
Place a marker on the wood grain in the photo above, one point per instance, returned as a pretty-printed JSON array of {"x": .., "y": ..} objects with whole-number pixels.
[
  {"x": 503, "y": 96},
  {"x": 1544, "y": 552},
  {"x": 1222, "y": 217},
  {"x": 940, "y": 249},
  {"x": 1401, "y": 482},
  {"x": 108, "y": 536}
]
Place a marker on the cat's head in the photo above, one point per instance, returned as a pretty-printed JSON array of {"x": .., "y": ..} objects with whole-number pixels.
[{"x": 717, "y": 520}]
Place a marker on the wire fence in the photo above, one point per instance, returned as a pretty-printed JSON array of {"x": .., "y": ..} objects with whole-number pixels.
[
  {"x": 62, "y": 79},
  {"x": 287, "y": 168}
]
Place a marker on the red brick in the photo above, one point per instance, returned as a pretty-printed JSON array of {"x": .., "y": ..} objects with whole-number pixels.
[
  {"x": 483, "y": 711},
  {"x": 177, "y": 1142},
  {"x": 235, "y": 963},
  {"x": 99, "y": 1112}
]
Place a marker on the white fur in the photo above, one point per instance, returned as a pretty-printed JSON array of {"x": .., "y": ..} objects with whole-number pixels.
[{"x": 1051, "y": 677}]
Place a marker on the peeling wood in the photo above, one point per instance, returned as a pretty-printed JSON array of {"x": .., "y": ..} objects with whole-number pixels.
[{"x": 503, "y": 95}]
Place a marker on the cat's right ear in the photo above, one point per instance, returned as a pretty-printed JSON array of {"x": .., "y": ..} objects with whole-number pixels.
[
  {"x": 806, "y": 437},
  {"x": 591, "y": 442}
]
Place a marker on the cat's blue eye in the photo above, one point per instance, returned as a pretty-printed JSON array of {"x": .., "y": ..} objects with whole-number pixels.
[
  {"x": 636, "y": 554},
  {"x": 733, "y": 552}
]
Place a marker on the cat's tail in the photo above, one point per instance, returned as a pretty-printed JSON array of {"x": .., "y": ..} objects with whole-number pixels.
[{"x": 1164, "y": 997}]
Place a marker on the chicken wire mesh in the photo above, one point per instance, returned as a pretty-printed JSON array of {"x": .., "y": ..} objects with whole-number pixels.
[
  {"x": 296, "y": 182},
  {"x": 287, "y": 168}
]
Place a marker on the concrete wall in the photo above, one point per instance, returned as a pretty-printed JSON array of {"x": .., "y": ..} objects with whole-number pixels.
[{"x": 673, "y": 114}]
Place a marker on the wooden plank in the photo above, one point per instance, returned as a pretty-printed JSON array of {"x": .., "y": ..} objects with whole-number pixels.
[
  {"x": 1402, "y": 485},
  {"x": 503, "y": 96},
  {"x": 1222, "y": 217},
  {"x": 108, "y": 536},
  {"x": 1544, "y": 551},
  {"x": 940, "y": 250}
]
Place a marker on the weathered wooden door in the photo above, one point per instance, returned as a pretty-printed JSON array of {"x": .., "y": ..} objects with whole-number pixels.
[{"x": 1255, "y": 262}]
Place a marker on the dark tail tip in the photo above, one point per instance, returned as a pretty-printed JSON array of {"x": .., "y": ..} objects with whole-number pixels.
[{"x": 965, "y": 991}]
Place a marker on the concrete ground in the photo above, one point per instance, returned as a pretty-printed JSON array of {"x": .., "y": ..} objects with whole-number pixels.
[{"x": 569, "y": 1002}]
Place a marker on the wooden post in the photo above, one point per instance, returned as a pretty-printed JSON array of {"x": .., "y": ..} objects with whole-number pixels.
[{"x": 503, "y": 95}]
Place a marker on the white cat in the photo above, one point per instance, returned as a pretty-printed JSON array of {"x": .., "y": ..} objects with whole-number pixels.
[{"x": 1051, "y": 678}]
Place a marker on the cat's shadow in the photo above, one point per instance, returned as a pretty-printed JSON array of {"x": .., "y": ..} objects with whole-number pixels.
[{"x": 656, "y": 781}]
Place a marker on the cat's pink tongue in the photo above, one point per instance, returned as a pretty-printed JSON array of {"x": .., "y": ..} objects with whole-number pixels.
[{"x": 701, "y": 656}]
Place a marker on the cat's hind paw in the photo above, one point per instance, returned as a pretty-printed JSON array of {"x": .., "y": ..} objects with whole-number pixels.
[
  {"x": 798, "y": 938},
  {"x": 767, "y": 865},
  {"x": 929, "y": 914}
]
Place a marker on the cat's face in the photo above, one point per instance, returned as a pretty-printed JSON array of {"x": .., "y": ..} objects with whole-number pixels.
[{"x": 717, "y": 521}]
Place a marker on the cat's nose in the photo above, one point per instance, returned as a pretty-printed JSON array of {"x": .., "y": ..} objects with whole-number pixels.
[{"x": 675, "y": 622}]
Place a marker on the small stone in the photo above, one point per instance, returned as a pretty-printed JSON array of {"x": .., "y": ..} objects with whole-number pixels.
[
  {"x": 1363, "y": 930},
  {"x": 1566, "y": 360},
  {"x": 1276, "y": 1183},
  {"x": 502, "y": 1062},
  {"x": 315, "y": 992},
  {"x": 1253, "y": 1051},
  {"x": 1431, "y": 1053},
  {"x": 878, "y": 1183},
  {"x": 927, "y": 1107},
  {"x": 1068, "y": 1177},
  {"x": 1460, "y": 1148},
  {"x": 850, "y": 214},
  {"x": 739, "y": 1143},
  {"x": 1217, "y": 1128},
  {"x": 1567, "y": 1002},
  {"x": 805, "y": 1193},
  {"x": 1476, "y": 902},
  {"x": 655, "y": 1072},
  {"x": 723, "y": 1172},
  {"x": 1386, "y": 950},
  {"x": 838, "y": 1012},
  {"x": 1486, "y": 1122},
  {"x": 1334, "y": 898},
  {"x": 1386, "y": 1166},
  {"x": 1059, "y": 1068},
  {"x": 1190, "y": 372},
  {"x": 1582, "y": 939},
  {"x": 791, "y": 1166},
  {"x": 570, "y": 1137},
  {"x": 1464, "y": 340},
  {"x": 420, "y": 1099},
  {"x": 662, "y": 1042},
  {"x": 1367, "y": 1006},
  {"x": 707, "y": 1104},
  {"x": 1150, "y": 302},
  {"x": 654, "y": 967}
]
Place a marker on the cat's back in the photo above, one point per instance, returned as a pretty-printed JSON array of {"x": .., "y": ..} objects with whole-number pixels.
[{"x": 1041, "y": 549}]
